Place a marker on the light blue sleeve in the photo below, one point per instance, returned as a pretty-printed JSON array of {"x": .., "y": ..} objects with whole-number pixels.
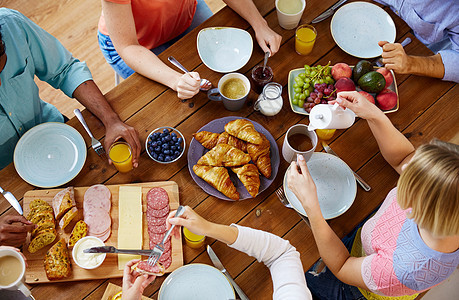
[
  {"x": 450, "y": 57},
  {"x": 53, "y": 63}
]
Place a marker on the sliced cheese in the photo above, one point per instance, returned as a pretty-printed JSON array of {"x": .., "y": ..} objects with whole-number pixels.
[{"x": 130, "y": 222}]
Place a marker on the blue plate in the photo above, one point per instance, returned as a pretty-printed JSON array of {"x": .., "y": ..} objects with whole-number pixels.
[
  {"x": 196, "y": 282},
  {"x": 335, "y": 184},
  {"x": 357, "y": 28},
  {"x": 50, "y": 154},
  {"x": 224, "y": 49}
]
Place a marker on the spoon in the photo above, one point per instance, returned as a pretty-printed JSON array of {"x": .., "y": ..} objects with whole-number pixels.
[
  {"x": 204, "y": 85},
  {"x": 265, "y": 61}
]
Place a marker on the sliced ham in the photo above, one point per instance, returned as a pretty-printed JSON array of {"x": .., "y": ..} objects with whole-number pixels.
[{"x": 97, "y": 196}]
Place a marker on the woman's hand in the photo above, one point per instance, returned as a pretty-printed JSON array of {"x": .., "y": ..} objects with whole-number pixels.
[
  {"x": 302, "y": 185},
  {"x": 188, "y": 85},
  {"x": 191, "y": 220},
  {"x": 268, "y": 39},
  {"x": 133, "y": 283},
  {"x": 358, "y": 104}
]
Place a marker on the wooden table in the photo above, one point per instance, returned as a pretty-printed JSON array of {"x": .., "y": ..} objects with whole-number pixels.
[{"x": 428, "y": 109}]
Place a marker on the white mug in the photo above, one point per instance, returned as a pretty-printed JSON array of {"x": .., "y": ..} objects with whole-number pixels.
[
  {"x": 10, "y": 257},
  {"x": 289, "y": 20},
  {"x": 327, "y": 116},
  {"x": 288, "y": 152}
]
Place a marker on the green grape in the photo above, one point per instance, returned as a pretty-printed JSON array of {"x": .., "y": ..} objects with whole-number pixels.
[
  {"x": 316, "y": 82},
  {"x": 319, "y": 67},
  {"x": 307, "y": 67},
  {"x": 295, "y": 85},
  {"x": 327, "y": 71},
  {"x": 306, "y": 93},
  {"x": 307, "y": 80},
  {"x": 298, "y": 90},
  {"x": 302, "y": 75},
  {"x": 306, "y": 85},
  {"x": 313, "y": 73},
  {"x": 296, "y": 96},
  {"x": 307, "y": 73},
  {"x": 299, "y": 81},
  {"x": 321, "y": 81},
  {"x": 328, "y": 78},
  {"x": 302, "y": 97},
  {"x": 301, "y": 103},
  {"x": 295, "y": 101}
]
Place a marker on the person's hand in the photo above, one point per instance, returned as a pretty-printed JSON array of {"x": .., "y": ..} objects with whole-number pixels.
[
  {"x": 395, "y": 57},
  {"x": 117, "y": 130},
  {"x": 302, "y": 185},
  {"x": 358, "y": 104},
  {"x": 14, "y": 229},
  {"x": 17, "y": 250},
  {"x": 188, "y": 85},
  {"x": 268, "y": 39},
  {"x": 191, "y": 220},
  {"x": 133, "y": 283}
]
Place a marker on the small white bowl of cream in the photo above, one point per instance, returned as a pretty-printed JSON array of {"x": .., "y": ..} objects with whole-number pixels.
[{"x": 88, "y": 260}]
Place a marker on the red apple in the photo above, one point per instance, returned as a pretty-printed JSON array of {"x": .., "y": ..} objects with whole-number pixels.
[
  {"x": 387, "y": 75},
  {"x": 367, "y": 96},
  {"x": 386, "y": 99},
  {"x": 344, "y": 84},
  {"x": 341, "y": 70}
]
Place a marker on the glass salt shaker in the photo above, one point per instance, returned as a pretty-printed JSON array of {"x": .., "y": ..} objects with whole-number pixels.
[{"x": 270, "y": 100}]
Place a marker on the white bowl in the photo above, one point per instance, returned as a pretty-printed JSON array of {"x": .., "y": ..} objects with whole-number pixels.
[
  {"x": 224, "y": 49},
  {"x": 95, "y": 242},
  {"x": 160, "y": 130}
]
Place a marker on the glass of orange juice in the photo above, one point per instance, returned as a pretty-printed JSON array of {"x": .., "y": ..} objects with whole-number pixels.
[
  {"x": 121, "y": 155},
  {"x": 193, "y": 240},
  {"x": 305, "y": 38}
]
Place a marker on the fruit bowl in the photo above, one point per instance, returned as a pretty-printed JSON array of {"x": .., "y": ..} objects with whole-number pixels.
[
  {"x": 299, "y": 110},
  {"x": 165, "y": 145}
]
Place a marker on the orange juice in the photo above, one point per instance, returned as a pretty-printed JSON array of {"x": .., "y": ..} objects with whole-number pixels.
[
  {"x": 193, "y": 240},
  {"x": 325, "y": 134},
  {"x": 305, "y": 38},
  {"x": 121, "y": 155}
]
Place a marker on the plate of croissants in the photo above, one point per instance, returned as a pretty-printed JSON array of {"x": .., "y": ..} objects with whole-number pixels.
[{"x": 233, "y": 158}]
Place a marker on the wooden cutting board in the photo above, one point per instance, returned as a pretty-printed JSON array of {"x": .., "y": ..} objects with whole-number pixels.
[
  {"x": 112, "y": 290},
  {"x": 35, "y": 272}
]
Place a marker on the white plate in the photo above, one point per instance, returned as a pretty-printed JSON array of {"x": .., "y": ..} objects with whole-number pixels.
[
  {"x": 357, "y": 28},
  {"x": 50, "y": 154},
  {"x": 335, "y": 183},
  {"x": 196, "y": 281},
  {"x": 224, "y": 49}
]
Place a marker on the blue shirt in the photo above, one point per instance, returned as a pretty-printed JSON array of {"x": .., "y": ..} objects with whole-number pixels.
[
  {"x": 31, "y": 51},
  {"x": 433, "y": 22}
]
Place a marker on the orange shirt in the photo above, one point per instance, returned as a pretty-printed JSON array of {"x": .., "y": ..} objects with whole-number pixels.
[{"x": 157, "y": 21}]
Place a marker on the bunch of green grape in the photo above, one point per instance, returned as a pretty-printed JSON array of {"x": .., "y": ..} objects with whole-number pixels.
[{"x": 305, "y": 82}]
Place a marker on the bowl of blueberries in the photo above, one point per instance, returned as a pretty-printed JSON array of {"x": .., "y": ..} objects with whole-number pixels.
[{"x": 165, "y": 145}]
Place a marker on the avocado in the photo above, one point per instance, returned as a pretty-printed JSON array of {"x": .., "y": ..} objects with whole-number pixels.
[
  {"x": 361, "y": 68},
  {"x": 372, "y": 82}
]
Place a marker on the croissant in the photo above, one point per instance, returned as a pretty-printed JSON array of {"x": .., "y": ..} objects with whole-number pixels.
[
  {"x": 260, "y": 155},
  {"x": 248, "y": 175},
  {"x": 224, "y": 155},
  {"x": 244, "y": 130},
  {"x": 207, "y": 139},
  {"x": 225, "y": 138},
  {"x": 217, "y": 177}
]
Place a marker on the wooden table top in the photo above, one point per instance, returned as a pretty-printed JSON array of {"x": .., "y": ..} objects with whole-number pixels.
[{"x": 428, "y": 109}]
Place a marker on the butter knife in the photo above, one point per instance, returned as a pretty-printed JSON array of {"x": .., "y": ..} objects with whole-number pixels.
[
  {"x": 218, "y": 264},
  {"x": 111, "y": 249},
  {"x": 359, "y": 179},
  {"x": 328, "y": 12},
  {"x": 12, "y": 200}
]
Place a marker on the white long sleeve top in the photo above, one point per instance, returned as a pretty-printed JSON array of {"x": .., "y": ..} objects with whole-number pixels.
[{"x": 279, "y": 256}]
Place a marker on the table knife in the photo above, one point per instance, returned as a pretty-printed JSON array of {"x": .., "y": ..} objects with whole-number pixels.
[
  {"x": 218, "y": 264},
  {"x": 328, "y": 12},
  {"x": 359, "y": 179},
  {"x": 12, "y": 200},
  {"x": 111, "y": 249}
]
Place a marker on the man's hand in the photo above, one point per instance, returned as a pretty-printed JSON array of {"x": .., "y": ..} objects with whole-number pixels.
[
  {"x": 13, "y": 230},
  {"x": 395, "y": 57},
  {"x": 116, "y": 130}
]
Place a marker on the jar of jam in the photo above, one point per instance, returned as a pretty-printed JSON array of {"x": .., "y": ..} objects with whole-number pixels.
[{"x": 260, "y": 78}]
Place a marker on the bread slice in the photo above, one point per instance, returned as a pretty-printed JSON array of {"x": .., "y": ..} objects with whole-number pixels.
[
  {"x": 43, "y": 238},
  {"x": 63, "y": 202},
  {"x": 79, "y": 231},
  {"x": 38, "y": 209},
  {"x": 40, "y": 216},
  {"x": 38, "y": 202},
  {"x": 142, "y": 267},
  {"x": 72, "y": 213},
  {"x": 45, "y": 223},
  {"x": 57, "y": 261}
]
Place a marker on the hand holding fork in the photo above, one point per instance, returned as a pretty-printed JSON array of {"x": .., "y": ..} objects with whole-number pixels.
[{"x": 96, "y": 145}]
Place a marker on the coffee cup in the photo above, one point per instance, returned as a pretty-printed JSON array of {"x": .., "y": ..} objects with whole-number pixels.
[
  {"x": 289, "y": 12},
  {"x": 12, "y": 270},
  {"x": 299, "y": 140},
  {"x": 232, "y": 90}
]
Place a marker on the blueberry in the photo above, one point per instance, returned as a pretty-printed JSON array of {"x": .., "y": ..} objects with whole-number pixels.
[
  {"x": 163, "y": 139},
  {"x": 158, "y": 149},
  {"x": 165, "y": 146},
  {"x": 155, "y": 155},
  {"x": 174, "y": 139},
  {"x": 176, "y": 153},
  {"x": 166, "y": 152},
  {"x": 166, "y": 131},
  {"x": 179, "y": 148},
  {"x": 173, "y": 148},
  {"x": 155, "y": 135},
  {"x": 151, "y": 148},
  {"x": 149, "y": 143},
  {"x": 180, "y": 140},
  {"x": 173, "y": 134},
  {"x": 167, "y": 158},
  {"x": 161, "y": 157},
  {"x": 154, "y": 144},
  {"x": 167, "y": 138}
]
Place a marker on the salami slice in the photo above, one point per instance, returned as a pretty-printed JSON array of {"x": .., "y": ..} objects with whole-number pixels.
[
  {"x": 158, "y": 213},
  {"x": 157, "y": 198},
  {"x": 165, "y": 255},
  {"x": 167, "y": 244},
  {"x": 166, "y": 263},
  {"x": 152, "y": 221},
  {"x": 158, "y": 229}
]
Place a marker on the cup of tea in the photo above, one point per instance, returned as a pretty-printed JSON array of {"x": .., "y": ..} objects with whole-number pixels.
[
  {"x": 289, "y": 12},
  {"x": 120, "y": 154},
  {"x": 232, "y": 90},
  {"x": 12, "y": 270},
  {"x": 299, "y": 140}
]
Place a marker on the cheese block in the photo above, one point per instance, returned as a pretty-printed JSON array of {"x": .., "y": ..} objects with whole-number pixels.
[{"x": 130, "y": 222}]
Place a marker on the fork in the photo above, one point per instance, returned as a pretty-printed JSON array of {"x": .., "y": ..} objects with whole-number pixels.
[
  {"x": 283, "y": 199},
  {"x": 159, "y": 248},
  {"x": 96, "y": 145}
]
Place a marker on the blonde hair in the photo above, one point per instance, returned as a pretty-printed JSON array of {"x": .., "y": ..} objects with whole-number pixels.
[{"x": 430, "y": 187}]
